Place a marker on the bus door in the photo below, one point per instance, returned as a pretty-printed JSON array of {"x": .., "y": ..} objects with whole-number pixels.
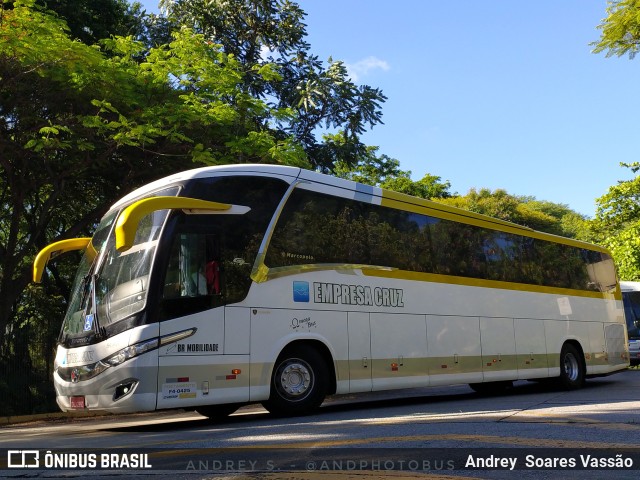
[{"x": 189, "y": 370}]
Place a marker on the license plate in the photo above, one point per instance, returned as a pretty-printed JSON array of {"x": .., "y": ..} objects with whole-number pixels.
[{"x": 77, "y": 402}]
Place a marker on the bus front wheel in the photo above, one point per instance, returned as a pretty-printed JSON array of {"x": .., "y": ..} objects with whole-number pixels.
[
  {"x": 572, "y": 370},
  {"x": 299, "y": 382}
]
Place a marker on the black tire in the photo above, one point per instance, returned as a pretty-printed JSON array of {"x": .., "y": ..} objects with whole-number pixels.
[
  {"x": 491, "y": 388},
  {"x": 298, "y": 383},
  {"x": 218, "y": 412},
  {"x": 572, "y": 368}
]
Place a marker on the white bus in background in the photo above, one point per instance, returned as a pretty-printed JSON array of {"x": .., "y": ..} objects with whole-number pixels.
[
  {"x": 223, "y": 286},
  {"x": 631, "y": 301}
]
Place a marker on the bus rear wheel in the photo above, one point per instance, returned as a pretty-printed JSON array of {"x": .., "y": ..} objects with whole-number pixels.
[
  {"x": 572, "y": 370},
  {"x": 299, "y": 382}
]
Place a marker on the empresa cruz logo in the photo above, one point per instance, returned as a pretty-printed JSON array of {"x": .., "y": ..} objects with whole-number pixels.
[{"x": 343, "y": 294}]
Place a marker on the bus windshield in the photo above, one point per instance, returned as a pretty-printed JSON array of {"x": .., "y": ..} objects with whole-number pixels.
[
  {"x": 110, "y": 285},
  {"x": 73, "y": 323}
]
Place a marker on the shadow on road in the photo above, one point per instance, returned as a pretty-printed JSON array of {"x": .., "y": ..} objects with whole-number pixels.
[{"x": 430, "y": 396}]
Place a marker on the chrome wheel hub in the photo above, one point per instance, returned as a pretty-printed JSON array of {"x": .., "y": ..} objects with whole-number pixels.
[{"x": 295, "y": 379}]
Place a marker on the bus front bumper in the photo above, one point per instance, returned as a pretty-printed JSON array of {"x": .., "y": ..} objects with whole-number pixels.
[{"x": 130, "y": 387}]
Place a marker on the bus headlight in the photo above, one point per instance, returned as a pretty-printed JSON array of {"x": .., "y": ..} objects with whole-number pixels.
[
  {"x": 86, "y": 372},
  {"x": 132, "y": 351}
]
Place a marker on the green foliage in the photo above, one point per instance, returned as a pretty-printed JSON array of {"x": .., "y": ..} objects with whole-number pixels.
[
  {"x": 370, "y": 170},
  {"x": 271, "y": 34},
  {"x": 92, "y": 20},
  {"x": 617, "y": 224},
  {"x": 429, "y": 186},
  {"x": 620, "y": 29},
  {"x": 617, "y": 221},
  {"x": 544, "y": 216},
  {"x": 621, "y": 204},
  {"x": 384, "y": 171},
  {"x": 195, "y": 101},
  {"x": 625, "y": 249},
  {"x": 497, "y": 204}
]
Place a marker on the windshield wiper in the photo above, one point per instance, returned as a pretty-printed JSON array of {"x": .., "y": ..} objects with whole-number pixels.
[
  {"x": 99, "y": 331},
  {"x": 94, "y": 306},
  {"x": 91, "y": 321}
]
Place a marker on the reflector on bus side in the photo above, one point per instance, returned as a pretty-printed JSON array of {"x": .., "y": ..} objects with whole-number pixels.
[
  {"x": 53, "y": 250},
  {"x": 130, "y": 217}
]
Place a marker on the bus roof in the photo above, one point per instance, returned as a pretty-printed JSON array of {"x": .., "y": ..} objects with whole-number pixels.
[
  {"x": 205, "y": 172},
  {"x": 629, "y": 286},
  {"x": 360, "y": 192}
]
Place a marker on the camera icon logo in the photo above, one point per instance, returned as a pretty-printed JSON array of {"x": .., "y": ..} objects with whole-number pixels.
[{"x": 23, "y": 459}]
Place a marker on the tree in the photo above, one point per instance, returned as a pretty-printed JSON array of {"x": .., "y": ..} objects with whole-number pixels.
[
  {"x": 617, "y": 221},
  {"x": 544, "y": 216},
  {"x": 384, "y": 171},
  {"x": 617, "y": 224},
  {"x": 92, "y": 20},
  {"x": 260, "y": 32},
  {"x": 559, "y": 218},
  {"x": 620, "y": 29}
]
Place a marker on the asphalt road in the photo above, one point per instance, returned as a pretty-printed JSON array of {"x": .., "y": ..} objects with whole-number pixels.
[{"x": 443, "y": 432}]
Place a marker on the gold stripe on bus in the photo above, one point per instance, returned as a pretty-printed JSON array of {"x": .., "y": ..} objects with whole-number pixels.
[
  {"x": 478, "y": 282},
  {"x": 381, "y": 368},
  {"x": 262, "y": 273},
  {"x": 400, "y": 201}
]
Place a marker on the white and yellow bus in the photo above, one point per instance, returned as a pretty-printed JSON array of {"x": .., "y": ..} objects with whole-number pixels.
[{"x": 223, "y": 286}]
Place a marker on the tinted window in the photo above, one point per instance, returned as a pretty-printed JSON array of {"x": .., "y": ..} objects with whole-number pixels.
[
  {"x": 321, "y": 229},
  {"x": 211, "y": 256}
]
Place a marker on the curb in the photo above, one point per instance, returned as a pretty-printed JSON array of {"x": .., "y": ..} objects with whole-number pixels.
[
  {"x": 63, "y": 417},
  {"x": 17, "y": 419}
]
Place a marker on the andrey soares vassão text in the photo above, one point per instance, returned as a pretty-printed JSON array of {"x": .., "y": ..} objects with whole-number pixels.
[{"x": 534, "y": 462}]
